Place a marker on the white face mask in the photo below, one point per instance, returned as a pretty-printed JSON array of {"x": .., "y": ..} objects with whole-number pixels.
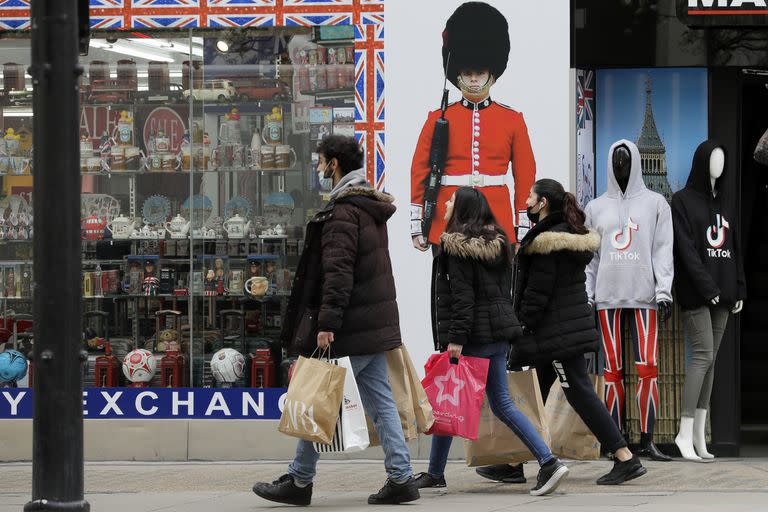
[
  {"x": 477, "y": 93},
  {"x": 326, "y": 184}
]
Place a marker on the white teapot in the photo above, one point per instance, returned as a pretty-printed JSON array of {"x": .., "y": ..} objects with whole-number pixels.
[
  {"x": 121, "y": 227},
  {"x": 178, "y": 227},
  {"x": 237, "y": 226}
]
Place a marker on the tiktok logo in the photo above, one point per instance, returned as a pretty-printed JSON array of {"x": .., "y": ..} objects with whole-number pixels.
[
  {"x": 716, "y": 233},
  {"x": 621, "y": 239}
]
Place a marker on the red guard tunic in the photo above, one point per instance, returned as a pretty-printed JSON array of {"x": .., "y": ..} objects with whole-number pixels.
[{"x": 483, "y": 139}]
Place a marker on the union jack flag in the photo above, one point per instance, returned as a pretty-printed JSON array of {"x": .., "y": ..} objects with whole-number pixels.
[{"x": 585, "y": 97}]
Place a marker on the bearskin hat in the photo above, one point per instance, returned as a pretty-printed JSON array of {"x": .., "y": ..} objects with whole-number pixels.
[{"x": 477, "y": 37}]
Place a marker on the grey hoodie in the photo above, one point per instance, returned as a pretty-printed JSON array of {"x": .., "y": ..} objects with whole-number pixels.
[{"x": 634, "y": 266}]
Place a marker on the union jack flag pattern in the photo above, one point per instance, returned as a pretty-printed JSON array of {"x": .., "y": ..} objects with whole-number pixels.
[
  {"x": 644, "y": 329},
  {"x": 585, "y": 97}
]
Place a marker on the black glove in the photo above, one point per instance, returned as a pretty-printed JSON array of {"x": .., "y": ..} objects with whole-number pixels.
[{"x": 665, "y": 310}]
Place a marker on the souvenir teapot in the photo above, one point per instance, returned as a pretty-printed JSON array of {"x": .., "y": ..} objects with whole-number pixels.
[
  {"x": 121, "y": 227},
  {"x": 178, "y": 227},
  {"x": 237, "y": 226}
]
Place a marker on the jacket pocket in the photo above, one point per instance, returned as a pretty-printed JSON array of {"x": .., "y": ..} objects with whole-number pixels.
[{"x": 504, "y": 322}]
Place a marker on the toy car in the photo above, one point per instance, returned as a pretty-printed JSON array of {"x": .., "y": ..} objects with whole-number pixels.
[
  {"x": 175, "y": 94},
  {"x": 20, "y": 97},
  {"x": 263, "y": 89},
  {"x": 216, "y": 90},
  {"x": 112, "y": 91}
]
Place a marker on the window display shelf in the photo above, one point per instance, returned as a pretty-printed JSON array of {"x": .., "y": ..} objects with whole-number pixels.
[
  {"x": 222, "y": 170},
  {"x": 330, "y": 93},
  {"x": 277, "y": 297}
]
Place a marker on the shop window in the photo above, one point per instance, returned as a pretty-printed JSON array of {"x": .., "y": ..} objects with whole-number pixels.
[{"x": 198, "y": 175}]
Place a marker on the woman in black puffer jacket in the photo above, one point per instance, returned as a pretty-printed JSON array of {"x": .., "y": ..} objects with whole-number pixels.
[
  {"x": 558, "y": 323},
  {"x": 473, "y": 316}
]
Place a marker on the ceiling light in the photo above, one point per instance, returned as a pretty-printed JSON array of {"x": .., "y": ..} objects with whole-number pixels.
[
  {"x": 126, "y": 50},
  {"x": 168, "y": 45},
  {"x": 10, "y": 112},
  {"x": 222, "y": 46}
]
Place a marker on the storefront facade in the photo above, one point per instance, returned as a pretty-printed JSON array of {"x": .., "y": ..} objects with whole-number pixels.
[
  {"x": 677, "y": 74},
  {"x": 198, "y": 126}
]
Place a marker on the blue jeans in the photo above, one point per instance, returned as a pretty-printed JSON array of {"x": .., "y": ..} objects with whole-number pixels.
[
  {"x": 497, "y": 390},
  {"x": 372, "y": 381}
]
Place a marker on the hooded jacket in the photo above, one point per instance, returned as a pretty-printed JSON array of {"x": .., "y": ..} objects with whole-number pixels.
[
  {"x": 550, "y": 296},
  {"x": 634, "y": 266},
  {"x": 708, "y": 262},
  {"x": 472, "y": 292},
  {"x": 344, "y": 281}
]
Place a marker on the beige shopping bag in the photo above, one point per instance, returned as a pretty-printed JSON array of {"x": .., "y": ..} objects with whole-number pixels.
[
  {"x": 411, "y": 400},
  {"x": 313, "y": 401},
  {"x": 496, "y": 443},
  {"x": 570, "y": 436}
]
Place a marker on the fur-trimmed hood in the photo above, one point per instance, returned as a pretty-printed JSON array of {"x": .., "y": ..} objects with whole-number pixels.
[
  {"x": 554, "y": 241},
  {"x": 378, "y": 204},
  {"x": 477, "y": 248}
]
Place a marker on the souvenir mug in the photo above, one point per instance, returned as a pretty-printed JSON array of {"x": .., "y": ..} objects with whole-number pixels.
[
  {"x": 257, "y": 286},
  {"x": 285, "y": 157}
]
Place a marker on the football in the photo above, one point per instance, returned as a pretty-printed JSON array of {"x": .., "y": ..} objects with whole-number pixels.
[
  {"x": 13, "y": 366},
  {"x": 139, "y": 365},
  {"x": 227, "y": 365}
]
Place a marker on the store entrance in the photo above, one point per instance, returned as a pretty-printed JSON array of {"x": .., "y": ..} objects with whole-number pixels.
[{"x": 754, "y": 217}]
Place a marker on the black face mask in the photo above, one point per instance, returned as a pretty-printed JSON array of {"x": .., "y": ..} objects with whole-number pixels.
[{"x": 533, "y": 216}]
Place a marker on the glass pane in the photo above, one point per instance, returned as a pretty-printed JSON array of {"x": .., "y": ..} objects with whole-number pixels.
[{"x": 198, "y": 177}]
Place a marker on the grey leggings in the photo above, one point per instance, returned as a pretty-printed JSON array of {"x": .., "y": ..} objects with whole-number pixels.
[{"x": 705, "y": 331}]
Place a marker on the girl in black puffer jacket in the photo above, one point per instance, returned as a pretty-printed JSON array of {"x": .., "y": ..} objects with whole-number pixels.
[
  {"x": 473, "y": 316},
  {"x": 558, "y": 323}
]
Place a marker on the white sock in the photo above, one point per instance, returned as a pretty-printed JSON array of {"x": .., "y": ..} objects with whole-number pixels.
[
  {"x": 684, "y": 439},
  {"x": 700, "y": 434}
]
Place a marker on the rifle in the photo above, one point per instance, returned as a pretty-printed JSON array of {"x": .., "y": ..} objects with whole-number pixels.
[{"x": 438, "y": 152}]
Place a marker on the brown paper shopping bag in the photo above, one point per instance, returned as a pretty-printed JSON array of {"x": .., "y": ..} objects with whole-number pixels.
[
  {"x": 570, "y": 436},
  {"x": 313, "y": 401},
  {"x": 422, "y": 409},
  {"x": 410, "y": 399},
  {"x": 496, "y": 443}
]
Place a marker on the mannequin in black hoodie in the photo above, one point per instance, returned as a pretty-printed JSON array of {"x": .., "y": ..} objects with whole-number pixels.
[{"x": 709, "y": 282}]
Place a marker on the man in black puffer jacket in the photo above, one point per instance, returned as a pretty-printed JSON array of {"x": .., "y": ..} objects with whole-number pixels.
[{"x": 344, "y": 296}]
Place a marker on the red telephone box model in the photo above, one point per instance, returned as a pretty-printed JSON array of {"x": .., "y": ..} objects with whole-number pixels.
[
  {"x": 173, "y": 365},
  {"x": 107, "y": 370},
  {"x": 263, "y": 369}
]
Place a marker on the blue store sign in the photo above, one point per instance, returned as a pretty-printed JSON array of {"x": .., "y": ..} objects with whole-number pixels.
[{"x": 160, "y": 403}]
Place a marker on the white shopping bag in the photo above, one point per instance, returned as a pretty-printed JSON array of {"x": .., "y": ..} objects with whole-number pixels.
[{"x": 351, "y": 430}]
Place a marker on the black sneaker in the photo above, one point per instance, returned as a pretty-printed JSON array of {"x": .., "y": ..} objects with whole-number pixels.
[
  {"x": 284, "y": 490},
  {"x": 427, "y": 481},
  {"x": 550, "y": 476},
  {"x": 506, "y": 473},
  {"x": 623, "y": 472},
  {"x": 393, "y": 494}
]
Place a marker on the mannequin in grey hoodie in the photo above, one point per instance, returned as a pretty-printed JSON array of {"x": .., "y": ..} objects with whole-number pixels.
[{"x": 630, "y": 278}]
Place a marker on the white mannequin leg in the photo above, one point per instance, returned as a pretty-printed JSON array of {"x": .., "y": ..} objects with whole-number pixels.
[
  {"x": 699, "y": 434},
  {"x": 684, "y": 439}
]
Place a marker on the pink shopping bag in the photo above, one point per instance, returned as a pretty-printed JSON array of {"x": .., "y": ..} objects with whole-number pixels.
[{"x": 455, "y": 392}]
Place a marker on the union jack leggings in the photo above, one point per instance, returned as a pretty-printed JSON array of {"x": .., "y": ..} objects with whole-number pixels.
[{"x": 645, "y": 333}]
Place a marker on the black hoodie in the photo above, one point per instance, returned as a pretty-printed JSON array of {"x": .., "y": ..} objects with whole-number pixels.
[{"x": 708, "y": 261}]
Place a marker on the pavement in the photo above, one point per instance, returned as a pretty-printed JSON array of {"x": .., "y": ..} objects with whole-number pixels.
[{"x": 724, "y": 486}]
